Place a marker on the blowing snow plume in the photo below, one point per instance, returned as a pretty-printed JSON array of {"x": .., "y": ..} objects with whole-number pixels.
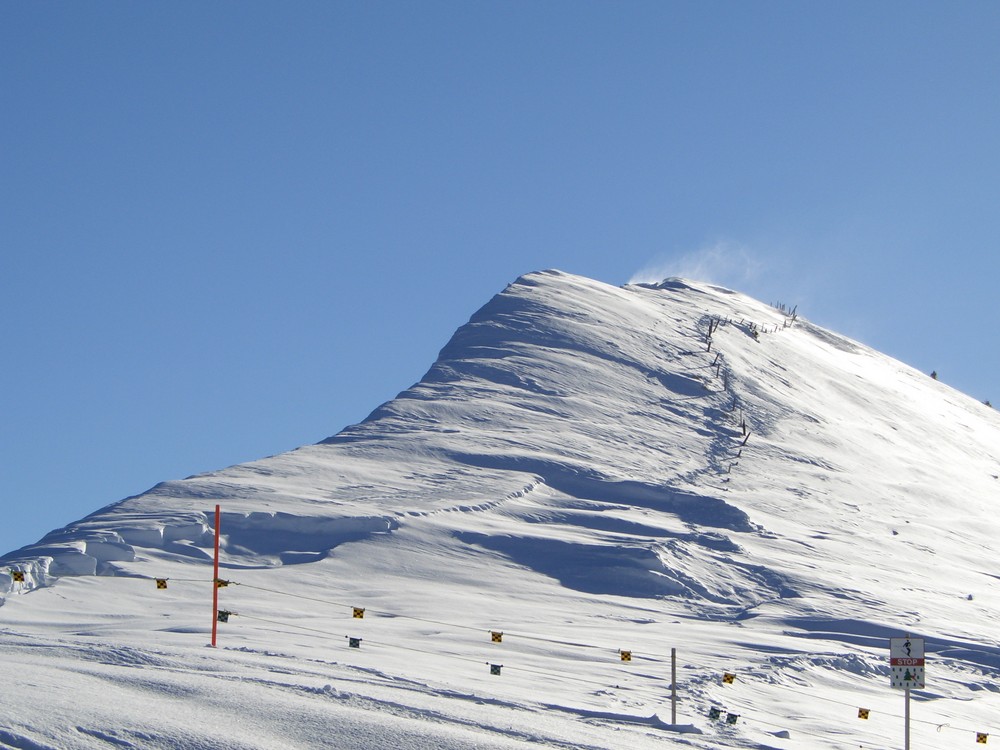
[{"x": 727, "y": 263}]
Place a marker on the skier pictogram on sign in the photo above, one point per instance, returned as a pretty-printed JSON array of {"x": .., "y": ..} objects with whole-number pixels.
[{"x": 906, "y": 662}]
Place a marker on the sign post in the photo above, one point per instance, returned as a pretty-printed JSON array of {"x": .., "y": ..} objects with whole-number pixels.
[{"x": 906, "y": 665}]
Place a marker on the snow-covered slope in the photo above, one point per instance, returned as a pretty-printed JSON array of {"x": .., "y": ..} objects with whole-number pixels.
[{"x": 589, "y": 469}]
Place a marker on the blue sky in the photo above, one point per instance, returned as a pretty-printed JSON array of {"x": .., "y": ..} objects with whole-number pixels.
[{"x": 232, "y": 228}]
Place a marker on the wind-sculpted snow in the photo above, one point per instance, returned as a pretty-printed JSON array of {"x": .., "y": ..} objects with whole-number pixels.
[
  {"x": 296, "y": 539},
  {"x": 638, "y": 570},
  {"x": 593, "y": 471},
  {"x": 583, "y": 483}
]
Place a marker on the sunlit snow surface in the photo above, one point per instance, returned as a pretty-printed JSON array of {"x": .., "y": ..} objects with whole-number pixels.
[{"x": 582, "y": 472}]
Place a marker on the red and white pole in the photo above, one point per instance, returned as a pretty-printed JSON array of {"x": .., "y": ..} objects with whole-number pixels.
[{"x": 215, "y": 580}]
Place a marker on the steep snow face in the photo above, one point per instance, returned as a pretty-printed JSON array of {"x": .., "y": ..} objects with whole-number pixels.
[
  {"x": 673, "y": 452},
  {"x": 698, "y": 443}
]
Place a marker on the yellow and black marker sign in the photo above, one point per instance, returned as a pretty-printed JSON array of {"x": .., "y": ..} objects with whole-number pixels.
[
  {"x": 625, "y": 655},
  {"x": 496, "y": 636},
  {"x": 729, "y": 678},
  {"x": 982, "y": 737},
  {"x": 17, "y": 575},
  {"x": 863, "y": 713},
  {"x": 161, "y": 583},
  {"x": 359, "y": 613},
  {"x": 221, "y": 583}
]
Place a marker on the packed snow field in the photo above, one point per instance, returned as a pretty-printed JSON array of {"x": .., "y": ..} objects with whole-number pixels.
[{"x": 587, "y": 480}]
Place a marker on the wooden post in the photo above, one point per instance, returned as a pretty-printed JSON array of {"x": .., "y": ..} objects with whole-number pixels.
[{"x": 215, "y": 580}]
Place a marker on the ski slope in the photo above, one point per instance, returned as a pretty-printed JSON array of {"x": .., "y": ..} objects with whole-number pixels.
[{"x": 588, "y": 470}]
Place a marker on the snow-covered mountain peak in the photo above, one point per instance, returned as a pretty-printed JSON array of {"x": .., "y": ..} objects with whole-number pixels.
[
  {"x": 676, "y": 450},
  {"x": 688, "y": 400}
]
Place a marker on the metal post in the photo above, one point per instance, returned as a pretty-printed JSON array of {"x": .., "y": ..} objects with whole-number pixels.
[
  {"x": 215, "y": 580},
  {"x": 906, "y": 714},
  {"x": 906, "y": 746},
  {"x": 673, "y": 686}
]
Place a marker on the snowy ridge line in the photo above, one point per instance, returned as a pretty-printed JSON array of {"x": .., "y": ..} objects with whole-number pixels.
[
  {"x": 750, "y": 324},
  {"x": 688, "y": 683},
  {"x": 723, "y": 372},
  {"x": 750, "y": 327}
]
